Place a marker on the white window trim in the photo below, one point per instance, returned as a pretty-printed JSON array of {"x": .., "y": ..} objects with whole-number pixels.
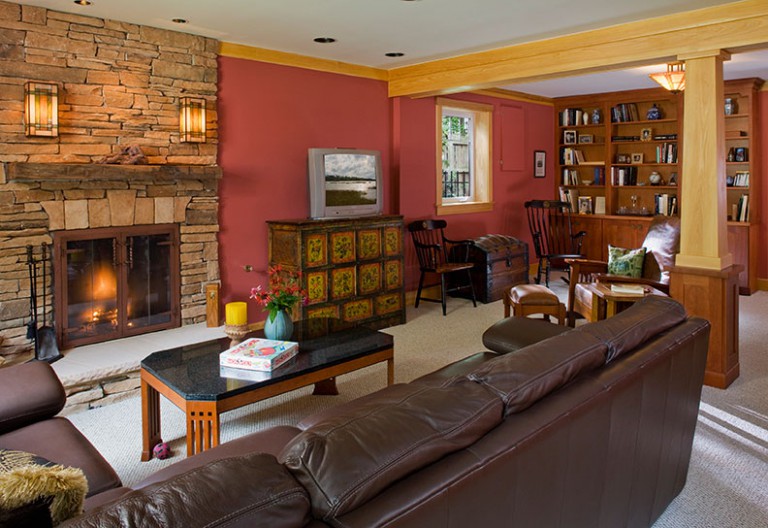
[{"x": 482, "y": 173}]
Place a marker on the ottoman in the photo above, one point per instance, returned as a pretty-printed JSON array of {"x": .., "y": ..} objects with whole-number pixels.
[{"x": 527, "y": 299}]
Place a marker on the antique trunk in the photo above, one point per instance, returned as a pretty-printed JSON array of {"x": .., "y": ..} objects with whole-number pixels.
[
  {"x": 352, "y": 268},
  {"x": 501, "y": 261}
]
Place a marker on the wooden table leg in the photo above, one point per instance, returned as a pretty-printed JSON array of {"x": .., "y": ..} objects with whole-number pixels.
[
  {"x": 203, "y": 431},
  {"x": 150, "y": 420},
  {"x": 326, "y": 388},
  {"x": 391, "y": 371}
]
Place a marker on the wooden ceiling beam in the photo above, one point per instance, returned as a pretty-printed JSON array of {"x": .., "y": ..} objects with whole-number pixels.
[{"x": 729, "y": 26}]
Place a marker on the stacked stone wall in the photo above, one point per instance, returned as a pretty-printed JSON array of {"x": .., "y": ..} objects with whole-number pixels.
[{"x": 119, "y": 86}]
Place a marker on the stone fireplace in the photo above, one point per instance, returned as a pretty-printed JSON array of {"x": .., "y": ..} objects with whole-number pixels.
[{"x": 57, "y": 201}]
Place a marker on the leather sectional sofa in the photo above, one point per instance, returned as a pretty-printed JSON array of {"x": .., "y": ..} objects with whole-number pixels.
[{"x": 587, "y": 427}]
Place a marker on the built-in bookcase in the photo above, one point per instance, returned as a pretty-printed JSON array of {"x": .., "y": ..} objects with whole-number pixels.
[{"x": 631, "y": 161}]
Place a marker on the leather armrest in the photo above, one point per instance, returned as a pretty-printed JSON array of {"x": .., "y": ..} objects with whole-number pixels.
[{"x": 29, "y": 393}]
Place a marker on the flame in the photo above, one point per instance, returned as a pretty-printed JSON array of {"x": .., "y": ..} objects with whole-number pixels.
[{"x": 104, "y": 283}]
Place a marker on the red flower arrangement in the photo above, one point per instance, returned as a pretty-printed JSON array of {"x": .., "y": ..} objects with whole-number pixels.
[{"x": 284, "y": 291}]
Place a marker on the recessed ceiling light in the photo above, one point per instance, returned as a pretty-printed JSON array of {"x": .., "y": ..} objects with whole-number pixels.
[
  {"x": 394, "y": 54},
  {"x": 83, "y": 2},
  {"x": 325, "y": 40},
  {"x": 179, "y": 20}
]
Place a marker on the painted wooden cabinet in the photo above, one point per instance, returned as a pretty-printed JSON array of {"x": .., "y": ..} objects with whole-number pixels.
[{"x": 352, "y": 268}]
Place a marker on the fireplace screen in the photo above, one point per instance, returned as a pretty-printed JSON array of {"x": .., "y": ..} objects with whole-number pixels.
[{"x": 112, "y": 282}]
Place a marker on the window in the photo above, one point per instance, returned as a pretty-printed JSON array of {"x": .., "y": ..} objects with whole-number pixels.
[{"x": 463, "y": 157}]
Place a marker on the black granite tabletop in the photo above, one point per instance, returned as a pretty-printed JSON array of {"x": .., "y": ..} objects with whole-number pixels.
[{"x": 194, "y": 373}]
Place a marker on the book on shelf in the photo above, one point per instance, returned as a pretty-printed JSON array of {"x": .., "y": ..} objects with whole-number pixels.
[
  {"x": 665, "y": 204},
  {"x": 571, "y": 196},
  {"x": 621, "y": 176},
  {"x": 742, "y": 209},
  {"x": 259, "y": 354},
  {"x": 599, "y": 175},
  {"x": 666, "y": 153},
  {"x": 624, "y": 112},
  {"x": 741, "y": 179}
]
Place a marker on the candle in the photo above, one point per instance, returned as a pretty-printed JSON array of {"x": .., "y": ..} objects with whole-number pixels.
[{"x": 236, "y": 313}]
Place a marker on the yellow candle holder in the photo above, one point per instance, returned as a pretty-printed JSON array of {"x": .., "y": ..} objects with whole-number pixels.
[{"x": 236, "y": 333}]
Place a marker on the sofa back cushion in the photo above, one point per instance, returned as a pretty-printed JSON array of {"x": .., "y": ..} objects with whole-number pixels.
[
  {"x": 347, "y": 458},
  {"x": 21, "y": 406},
  {"x": 523, "y": 377},
  {"x": 251, "y": 491},
  {"x": 635, "y": 325}
]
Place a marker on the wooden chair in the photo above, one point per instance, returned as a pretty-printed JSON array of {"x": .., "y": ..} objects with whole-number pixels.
[
  {"x": 440, "y": 256},
  {"x": 553, "y": 238},
  {"x": 662, "y": 243}
]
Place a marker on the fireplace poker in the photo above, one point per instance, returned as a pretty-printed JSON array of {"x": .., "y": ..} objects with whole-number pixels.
[{"x": 47, "y": 349}]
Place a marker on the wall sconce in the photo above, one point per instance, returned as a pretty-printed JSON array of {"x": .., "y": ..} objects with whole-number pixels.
[
  {"x": 192, "y": 120},
  {"x": 673, "y": 79},
  {"x": 41, "y": 109}
]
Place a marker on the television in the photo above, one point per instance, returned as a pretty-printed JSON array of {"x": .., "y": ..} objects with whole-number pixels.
[{"x": 344, "y": 182}]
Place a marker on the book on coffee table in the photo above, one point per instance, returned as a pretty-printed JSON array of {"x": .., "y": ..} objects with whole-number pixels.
[{"x": 259, "y": 354}]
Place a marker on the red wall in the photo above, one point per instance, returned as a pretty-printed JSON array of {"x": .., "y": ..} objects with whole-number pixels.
[
  {"x": 269, "y": 115},
  {"x": 416, "y": 136}
]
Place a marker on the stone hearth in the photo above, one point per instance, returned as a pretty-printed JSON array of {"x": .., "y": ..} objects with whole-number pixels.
[{"x": 39, "y": 199}]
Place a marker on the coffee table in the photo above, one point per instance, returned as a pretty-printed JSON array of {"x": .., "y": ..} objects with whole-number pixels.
[
  {"x": 190, "y": 377},
  {"x": 607, "y": 303}
]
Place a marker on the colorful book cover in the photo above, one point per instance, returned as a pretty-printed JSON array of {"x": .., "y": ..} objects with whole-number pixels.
[{"x": 259, "y": 354}]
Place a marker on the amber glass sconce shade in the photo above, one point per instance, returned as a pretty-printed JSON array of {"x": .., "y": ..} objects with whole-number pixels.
[
  {"x": 41, "y": 109},
  {"x": 673, "y": 79},
  {"x": 192, "y": 120}
]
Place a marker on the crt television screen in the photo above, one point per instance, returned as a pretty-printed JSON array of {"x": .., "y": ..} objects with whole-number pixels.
[{"x": 350, "y": 179}]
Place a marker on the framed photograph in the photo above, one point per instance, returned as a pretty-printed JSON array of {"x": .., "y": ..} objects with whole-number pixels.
[
  {"x": 585, "y": 205},
  {"x": 586, "y": 138},
  {"x": 569, "y": 137},
  {"x": 622, "y": 158},
  {"x": 637, "y": 158},
  {"x": 539, "y": 164},
  {"x": 740, "y": 154},
  {"x": 646, "y": 134}
]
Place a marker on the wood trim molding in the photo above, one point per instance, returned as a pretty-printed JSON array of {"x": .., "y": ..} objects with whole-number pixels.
[
  {"x": 501, "y": 93},
  {"x": 240, "y": 51},
  {"x": 730, "y": 26}
]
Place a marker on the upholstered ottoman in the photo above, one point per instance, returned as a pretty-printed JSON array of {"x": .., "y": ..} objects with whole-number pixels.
[{"x": 527, "y": 299}]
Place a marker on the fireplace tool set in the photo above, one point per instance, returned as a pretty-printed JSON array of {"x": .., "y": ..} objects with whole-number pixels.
[{"x": 46, "y": 348}]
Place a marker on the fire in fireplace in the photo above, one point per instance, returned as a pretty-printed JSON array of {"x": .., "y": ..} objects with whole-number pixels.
[{"x": 115, "y": 282}]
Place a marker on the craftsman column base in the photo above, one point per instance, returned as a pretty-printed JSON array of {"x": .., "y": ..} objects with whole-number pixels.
[{"x": 713, "y": 295}]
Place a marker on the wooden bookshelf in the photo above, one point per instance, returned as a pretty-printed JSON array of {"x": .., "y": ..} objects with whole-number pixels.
[{"x": 628, "y": 142}]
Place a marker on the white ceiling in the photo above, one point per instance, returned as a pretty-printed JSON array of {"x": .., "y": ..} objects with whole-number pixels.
[{"x": 422, "y": 29}]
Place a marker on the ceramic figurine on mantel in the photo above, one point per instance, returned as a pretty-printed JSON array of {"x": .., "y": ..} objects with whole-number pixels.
[{"x": 654, "y": 113}]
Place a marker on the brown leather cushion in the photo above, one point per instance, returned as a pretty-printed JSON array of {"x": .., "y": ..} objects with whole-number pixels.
[
  {"x": 246, "y": 491},
  {"x": 533, "y": 294},
  {"x": 21, "y": 406},
  {"x": 60, "y": 442},
  {"x": 662, "y": 243},
  {"x": 514, "y": 333},
  {"x": 523, "y": 377},
  {"x": 635, "y": 325},
  {"x": 350, "y": 457}
]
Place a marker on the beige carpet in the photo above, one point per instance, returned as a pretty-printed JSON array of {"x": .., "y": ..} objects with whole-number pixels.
[{"x": 727, "y": 480}]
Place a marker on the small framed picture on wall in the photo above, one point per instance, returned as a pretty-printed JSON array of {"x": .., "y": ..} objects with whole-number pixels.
[{"x": 539, "y": 164}]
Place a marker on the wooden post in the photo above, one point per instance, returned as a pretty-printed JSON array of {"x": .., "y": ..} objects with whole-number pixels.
[
  {"x": 704, "y": 278},
  {"x": 212, "y": 305}
]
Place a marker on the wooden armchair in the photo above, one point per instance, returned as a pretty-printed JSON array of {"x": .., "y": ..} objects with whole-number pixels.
[
  {"x": 440, "y": 256},
  {"x": 662, "y": 243},
  {"x": 553, "y": 239}
]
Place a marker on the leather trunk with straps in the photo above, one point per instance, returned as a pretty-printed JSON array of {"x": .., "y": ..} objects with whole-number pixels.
[{"x": 501, "y": 261}]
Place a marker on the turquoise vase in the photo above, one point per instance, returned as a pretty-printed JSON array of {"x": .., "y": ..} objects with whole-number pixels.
[{"x": 280, "y": 328}]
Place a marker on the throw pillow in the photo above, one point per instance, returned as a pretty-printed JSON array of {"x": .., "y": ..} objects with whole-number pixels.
[
  {"x": 26, "y": 479},
  {"x": 625, "y": 262}
]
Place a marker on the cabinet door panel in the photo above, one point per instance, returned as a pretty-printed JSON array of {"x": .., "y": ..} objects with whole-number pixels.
[
  {"x": 592, "y": 246},
  {"x": 628, "y": 234}
]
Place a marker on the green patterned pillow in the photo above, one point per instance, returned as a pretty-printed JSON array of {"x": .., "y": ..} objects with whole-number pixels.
[{"x": 626, "y": 262}]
